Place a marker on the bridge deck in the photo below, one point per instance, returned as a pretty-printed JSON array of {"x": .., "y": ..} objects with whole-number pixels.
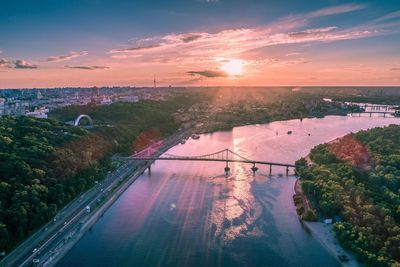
[{"x": 217, "y": 160}]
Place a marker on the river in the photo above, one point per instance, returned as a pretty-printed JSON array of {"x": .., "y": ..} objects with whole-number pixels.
[{"x": 190, "y": 214}]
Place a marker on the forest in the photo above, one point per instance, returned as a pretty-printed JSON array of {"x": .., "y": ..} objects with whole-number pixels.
[
  {"x": 356, "y": 181},
  {"x": 45, "y": 163},
  {"x": 41, "y": 171}
]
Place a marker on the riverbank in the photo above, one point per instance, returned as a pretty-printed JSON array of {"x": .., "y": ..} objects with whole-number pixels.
[
  {"x": 348, "y": 173},
  {"x": 321, "y": 231},
  {"x": 343, "y": 181},
  {"x": 324, "y": 234},
  {"x": 87, "y": 223}
]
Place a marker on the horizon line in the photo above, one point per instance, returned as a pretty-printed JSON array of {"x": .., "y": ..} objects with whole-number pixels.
[{"x": 209, "y": 86}]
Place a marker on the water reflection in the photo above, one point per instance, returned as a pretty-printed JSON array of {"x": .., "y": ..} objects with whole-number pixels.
[{"x": 190, "y": 214}]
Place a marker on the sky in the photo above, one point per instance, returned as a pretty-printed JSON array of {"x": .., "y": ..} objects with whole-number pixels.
[{"x": 70, "y": 43}]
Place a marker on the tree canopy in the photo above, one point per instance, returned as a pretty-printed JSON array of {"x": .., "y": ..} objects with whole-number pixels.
[{"x": 357, "y": 179}]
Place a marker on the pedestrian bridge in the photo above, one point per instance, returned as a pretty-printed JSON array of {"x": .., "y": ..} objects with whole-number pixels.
[{"x": 225, "y": 155}]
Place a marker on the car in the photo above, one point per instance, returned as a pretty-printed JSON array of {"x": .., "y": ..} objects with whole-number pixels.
[{"x": 34, "y": 250}]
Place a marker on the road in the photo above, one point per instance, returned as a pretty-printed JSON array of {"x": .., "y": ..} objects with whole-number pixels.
[{"x": 48, "y": 244}]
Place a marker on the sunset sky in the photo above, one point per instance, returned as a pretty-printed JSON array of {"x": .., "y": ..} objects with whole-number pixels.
[{"x": 47, "y": 43}]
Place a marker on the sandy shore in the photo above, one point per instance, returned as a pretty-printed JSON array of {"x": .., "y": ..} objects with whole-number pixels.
[{"x": 325, "y": 235}]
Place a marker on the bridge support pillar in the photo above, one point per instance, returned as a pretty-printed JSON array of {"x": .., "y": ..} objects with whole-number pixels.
[
  {"x": 227, "y": 169},
  {"x": 287, "y": 170},
  {"x": 384, "y": 114},
  {"x": 370, "y": 114},
  {"x": 270, "y": 169},
  {"x": 254, "y": 169},
  {"x": 149, "y": 169}
]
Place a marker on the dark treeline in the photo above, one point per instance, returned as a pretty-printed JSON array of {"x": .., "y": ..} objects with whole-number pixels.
[
  {"x": 357, "y": 181},
  {"x": 44, "y": 164},
  {"x": 38, "y": 173}
]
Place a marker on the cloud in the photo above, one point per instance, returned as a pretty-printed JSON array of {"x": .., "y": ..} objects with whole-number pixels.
[
  {"x": 18, "y": 64},
  {"x": 22, "y": 64},
  {"x": 150, "y": 44},
  {"x": 88, "y": 67},
  {"x": 394, "y": 69},
  {"x": 70, "y": 56},
  {"x": 5, "y": 63},
  {"x": 208, "y": 73},
  {"x": 191, "y": 37},
  {"x": 206, "y": 49},
  {"x": 276, "y": 62},
  {"x": 335, "y": 10},
  {"x": 319, "y": 32},
  {"x": 293, "y": 54},
  {"x": 132, "y": 49},
  {"x": 234, "y": 43},
  {"x": 390, "y": 16}
]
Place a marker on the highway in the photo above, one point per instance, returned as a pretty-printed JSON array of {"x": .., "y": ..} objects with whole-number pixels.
[{"x": 52, "y": 241}]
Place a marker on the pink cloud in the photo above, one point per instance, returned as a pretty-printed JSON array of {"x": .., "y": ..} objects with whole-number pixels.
[
  {"x": 194, "y": 47},
  {"x": 69, "y": 56}
]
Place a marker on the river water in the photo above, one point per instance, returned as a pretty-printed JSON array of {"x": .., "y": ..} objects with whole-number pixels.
[{"x": 190, "y": 214}]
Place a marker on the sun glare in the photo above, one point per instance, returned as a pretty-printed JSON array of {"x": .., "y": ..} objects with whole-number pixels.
[{"x": 233, "y": 67}]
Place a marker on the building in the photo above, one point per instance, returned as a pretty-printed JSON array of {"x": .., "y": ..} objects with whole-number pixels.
[
  {"x": 129, "y": 98},
  {"x": 106, "y": 101},
  {"x": 40, "y": 113}
]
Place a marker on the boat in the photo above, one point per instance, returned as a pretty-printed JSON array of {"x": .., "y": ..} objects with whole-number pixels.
[
  {"x": 195, "y": 136},
  {"x": 289, "y": 132},
  {"x": 183, "y": 141}
]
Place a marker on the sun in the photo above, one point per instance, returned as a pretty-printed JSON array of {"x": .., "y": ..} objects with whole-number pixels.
[{"x": 233, "y": 67}]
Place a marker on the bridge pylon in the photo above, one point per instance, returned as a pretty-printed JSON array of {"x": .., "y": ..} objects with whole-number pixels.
[
  {"x": 254, "y": 168},
  {"x": 227, "y": 169}
]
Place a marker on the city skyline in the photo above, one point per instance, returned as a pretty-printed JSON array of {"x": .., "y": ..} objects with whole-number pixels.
[{"x": 199, "y": 43}]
